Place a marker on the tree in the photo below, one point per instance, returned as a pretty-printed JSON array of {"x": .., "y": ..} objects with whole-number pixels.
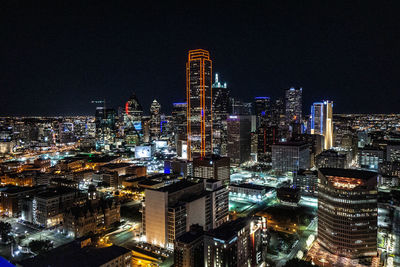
[
  {"x": 40, "y": 246},
  {"x": 298, "y": 263},
  {"x": 5, "y": 229}
]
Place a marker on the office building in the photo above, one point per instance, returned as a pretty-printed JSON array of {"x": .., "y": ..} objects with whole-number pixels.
[
  {"x": 179, "y": 127},
  {"x": 321, "y": 121},
  {"x": 238, "y": 107},
  {"x": 105, "y": 119},
  {"x": 307, "y": 182},
  {"x": 266, "y": 137},
  {"x": 133, "y": 114},
  {"x": 290, "y": 156},
  {"x": 239, "y": 138},
  {"x": 189, "y": 248},
  {"x": 278, "y": 113},
  {"x": 169, "y": 211},
  {"x": 263, "y": 110},
  {"x": 393, "y": 152},
  {"x": 293, "y": 104},
  {"x": 48, "y": 206},
  {"x": 11, "y": 199},
  {"x": 347, "y": 212},
  {"x": 220, "y": 111},
  {"x": 228, "y": 245},
  {"x": 315, "y": 141},
  {"x": 388, "y": 168},
  {"x": 155, "y": 120},
  {"x": 199, "y": 103},
  {"x": 332, "y": 159},
  {"x": 212, "y": 167},
  {"x": 370, "y": 157}
]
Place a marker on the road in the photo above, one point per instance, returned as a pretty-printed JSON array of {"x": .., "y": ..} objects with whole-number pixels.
[{"x": 301, "y": 245}]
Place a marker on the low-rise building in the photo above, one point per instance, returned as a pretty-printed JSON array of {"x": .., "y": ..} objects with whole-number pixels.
[
  {"x": 48, "y": 206},
  {"x": 91, "y": 218},
  {"x": 11, "y": 199},
  {"x": 307, "y": 182}
]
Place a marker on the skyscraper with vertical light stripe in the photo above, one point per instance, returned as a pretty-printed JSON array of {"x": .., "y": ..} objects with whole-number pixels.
[
  {"x": 199, "y": 103},
  {"x": 322, "y": 121}
]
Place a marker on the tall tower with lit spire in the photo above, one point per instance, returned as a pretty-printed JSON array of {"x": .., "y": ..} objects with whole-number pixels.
[
  {"x": 220, "y": 107},
  {"x": 199, "y": 103}
]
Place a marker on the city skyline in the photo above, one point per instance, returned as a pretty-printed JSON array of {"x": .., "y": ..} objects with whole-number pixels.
[{"x": 57, "y": 60}]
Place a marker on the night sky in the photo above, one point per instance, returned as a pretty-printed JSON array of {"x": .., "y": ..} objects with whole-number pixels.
[{"x": 55, "y": 59}]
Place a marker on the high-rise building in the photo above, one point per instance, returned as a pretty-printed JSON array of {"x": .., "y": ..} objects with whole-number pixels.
[
  {"x": 278, "y": 113},
  {"x": 347, "y": 212},
  {"x": 262, "y": 108},
  {"x": 212, "y": 167},
  {"x": 179, "y": 128},
  {"x": 266, "y": 137},
  {"x": 133, "y": 120},
  {"x": 169, "y": 211},
  {"x": 322, "y": 121},
  {"x": 133, "y": 110},
  {"x": 155, "y": 120},
  {"x": 293, "y": 101},
  {"x": 220, "y": 108},
  {"x": 105, "y": 126},
  {"x": 238, "y": 107},
  {"x": 199, "y": 103},
  {"x": 239, "y": 138}
]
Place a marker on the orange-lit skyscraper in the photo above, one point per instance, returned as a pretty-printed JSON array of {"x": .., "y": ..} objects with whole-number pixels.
[{"x": 199, "y": 103}]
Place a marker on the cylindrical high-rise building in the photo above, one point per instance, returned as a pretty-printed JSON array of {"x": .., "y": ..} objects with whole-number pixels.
[
  {"x": 348, "y": 212},
  {"x": 199, "y": 103}
]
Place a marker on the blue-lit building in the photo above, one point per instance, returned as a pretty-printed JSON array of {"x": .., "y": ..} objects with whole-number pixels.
[{"x": 321, "y": 121}]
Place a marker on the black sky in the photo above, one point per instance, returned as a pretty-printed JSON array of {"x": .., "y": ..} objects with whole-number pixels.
[{"x": 55, "y": 59}]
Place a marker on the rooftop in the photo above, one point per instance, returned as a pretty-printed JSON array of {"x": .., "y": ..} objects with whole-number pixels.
[
  {"x": 53, "y": 192},
  {"x": 293, "y": 143},
  {"x": 73, "y": 255},
  {"x": 148, "y": 182},
  {"x": 228, "y": 230},
  {"x": 348, "y": 173},
  {"x": 250, "y": 186},
  {"x": 16, "y": 189},
  {"x": 116, "y": 165},
  {"x": 176, "y": 186},
  {"x": 191, "y": 236}
]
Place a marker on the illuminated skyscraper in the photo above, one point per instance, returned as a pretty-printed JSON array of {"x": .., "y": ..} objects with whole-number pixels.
[
  {"x": 321, "y": 121},
  {"x": 179, "y": 131},
  {"x": 262, "y": 108},
  {"x": 293, "y": 98},
  {"x": 133, "y": 120},
  {"x": 155, "y": 120},
  {"x": 199, "y": 103},
  {"x": 220, "y": 108},
  {"x": 347, "y": 212}
]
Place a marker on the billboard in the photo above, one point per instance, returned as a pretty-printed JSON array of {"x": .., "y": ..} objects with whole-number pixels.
[
  {"x": 142, "y": 152},
  {"x": 161, "y": 144}
]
